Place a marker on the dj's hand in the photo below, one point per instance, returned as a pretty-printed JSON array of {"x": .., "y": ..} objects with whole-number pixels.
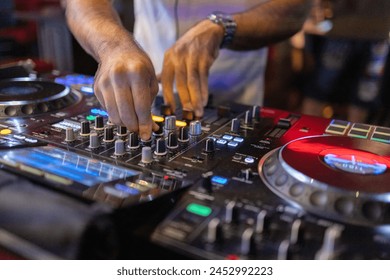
[
  {"x": 188, "y": 62},
  {"x": 125, "y": 85}
]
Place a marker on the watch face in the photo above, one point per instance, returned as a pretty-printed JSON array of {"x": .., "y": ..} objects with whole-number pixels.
[{"x": 228, "y": 24}]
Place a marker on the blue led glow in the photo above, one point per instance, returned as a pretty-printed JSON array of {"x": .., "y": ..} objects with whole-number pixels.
[
  {"x": 221, "y": 141},
  {"x": 233, "y": 144},
  {"x": 127, "y": 189},
  {"x": 227, "y": 137},
  {"x": 219, "y": 180},
  {"x": 97, "y": 111}
]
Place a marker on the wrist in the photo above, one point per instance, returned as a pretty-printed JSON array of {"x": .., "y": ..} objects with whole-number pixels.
[{"x": 228, "y": 24}]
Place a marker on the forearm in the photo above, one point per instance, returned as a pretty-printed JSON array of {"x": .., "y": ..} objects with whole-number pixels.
[
  {"x": 269, "y": 22},
  {"x": 97, "y": 29}
]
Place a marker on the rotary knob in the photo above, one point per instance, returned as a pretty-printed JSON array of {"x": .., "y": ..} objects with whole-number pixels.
[
  {"x": 99, "y": 124},
  {"x": 195, "y": 128},
  {"x": 209, "y": 145},
  {"x": 231, "y": 212},
  {"x": 85, "y": 128},
  {"x": 69, "y": 135},
  {"x": 133, "y": 142},
  {"x": 119, "y": 147},
  {"x": 108, "y": 135},
  {"x": 214, "y": 231},
  {"x": 172, "y": 141},
  {"x": 146, "y": 155},
  {"x": 94, "y": 141},
  {"x": 161, "y": 148},
  {"x": 183, "y": 134},
  {"x": 235, "y": 126}
]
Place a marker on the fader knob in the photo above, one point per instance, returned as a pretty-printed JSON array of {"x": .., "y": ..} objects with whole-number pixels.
[
  {"x": 235, "y": 126},
  {"x": 248, "y": 118},
  {"x": 246, "y": 174},
  {"x": 119, "y": 147},
  {"x": 69, "y": 135},
  {"x": 133, "y": 142},
  {"x": 247, "y": 242},
  {"x": 214, "y": 231},
  {"x": 206, "y": 182},
  {"x": 161, "y": 149},
  {"x": 195, "y": 128},
  {"x": 231, "y": 212},
  {"x": 85, "y": 128},
  {"x": 94, "y": 141}
]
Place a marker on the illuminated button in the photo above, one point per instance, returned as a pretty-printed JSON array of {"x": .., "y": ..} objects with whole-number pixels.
[
  {"x": 382, "y": 130},
  {"x": 30, "y": 140},
  {"x": 198, "y": 209},
  {"x": 238, "y": 139},
  {"x": 19, "y": 137},
  {"x": 360, "y": 126},
  {"x": 232, "y": 144},
  {"x": 157, "y": 119},
  {"x": 381, "y": 137},
  {"x": 219, "y": 180},
  {"x": 127, "y": 189},
  {"x": 5, "y": 131},
  {"x": 87, "y": 89},
  {"x": 358, "y": 133},
  {"x": 90, "y": 118},
  {"x": 221, "y": 141},
  {"x": 227, "y": 137},
  {"x": 101, "y": 112},
  {"x": 180, "y": 123},
  {"x": 249, "y": 160},
  {"x": 336, "y": 130}
]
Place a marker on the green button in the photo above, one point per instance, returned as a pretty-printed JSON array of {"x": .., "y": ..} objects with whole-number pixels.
[
  {"x": 90, "y": 118},
  {"x": 198, "y": 209}
]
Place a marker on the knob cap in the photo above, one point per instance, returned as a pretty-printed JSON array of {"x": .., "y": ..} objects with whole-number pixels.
[
  {"x": 146, "y": 155},
  {"x": 172, "y": 141},
  {"x": 246, "y": 174},
  {"x": 69, "y": 135},
  {"x": 209, "y": 145},
  {"x": 161, "y": 149},
  {"x": 247, "y": 242},
  {"x": 133, "y": 142},
  {"x": 119, "y": 147},
  {"x": 235, "y": 126},
  {"x": 206, "y": 182},
  {"x": 195, "y": 128},
  {"x": 331, "y": 238},
  {"x": 183, "y": 134},
  {"x": 99, "y": 124},
  {"x": 108, "y": 135},
  {"x": 214, "y": 231},
  {"x": 85, "y": 128},
  {"x": 122, "y": 130},
  {"x": 170, "y": 123},
  {"x": 231, "y": 212},
  {"x": 248, "y": 118},
  {"x": 94, "y": 142}
]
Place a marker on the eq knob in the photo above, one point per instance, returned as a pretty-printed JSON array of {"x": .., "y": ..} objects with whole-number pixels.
[
  {"x": 119, "y": 147},
  {"x": 85, "y": 128},
  {"x": 248, "y": 245},
  {"x": 209, "y": 145},
  {"x": 94, "y": 141},
  {"x": 161, "y": 148},
  {"x": 195, "y": 128},
  {"x": 121, "y": 130},
  {"x": 183, "y": 134},
  {"x": 146, "y": 155},
  {"x": 170, "y": 124},
  {"x": 133, "y": 142},
  {"x": 108, "y": 135},
  {"x": 99, "y": 124},
  {"x": 172, "y": 141},
  {"x": 69, "y": 135}
]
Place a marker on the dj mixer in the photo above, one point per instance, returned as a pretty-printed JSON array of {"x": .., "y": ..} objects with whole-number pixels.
[{"x": 243, "y": 182}]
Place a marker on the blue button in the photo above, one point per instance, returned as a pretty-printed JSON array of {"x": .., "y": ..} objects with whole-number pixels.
[
  {"x": 227, "y": 137},
  {"x": 238, "y": 139},
  {"x": 127, "y": 189},
  {"x": 221, "y": 141},
  {"x": 219, "y": 180},
  {"x": 233, "y": 144},
  {"x": 249, "y": 160}
]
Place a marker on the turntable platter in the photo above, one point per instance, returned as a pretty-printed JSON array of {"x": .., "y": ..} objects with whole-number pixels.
[
  {"x": 337, "y": 177},
  {"x": 28, "y": 97}
]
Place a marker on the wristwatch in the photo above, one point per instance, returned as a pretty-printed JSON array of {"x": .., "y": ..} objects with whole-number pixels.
[{"x": 228, "y": 24}]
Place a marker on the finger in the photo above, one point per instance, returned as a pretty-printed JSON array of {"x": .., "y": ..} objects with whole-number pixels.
[
  {"x": 182, "y": 86},
  {"x": 142, "y": 99},
  {"x": 194, "y": 88},
  {"x": 204, "y": 81},
  {"x": 167, "y": 79},
  {"x": 125, "y": 104}
]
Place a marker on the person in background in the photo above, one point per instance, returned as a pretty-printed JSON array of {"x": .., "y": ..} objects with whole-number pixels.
[{"x": 193, "y": 47}]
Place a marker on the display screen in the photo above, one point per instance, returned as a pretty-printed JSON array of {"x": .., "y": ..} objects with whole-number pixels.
[{"x": 69, "y": 165}]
